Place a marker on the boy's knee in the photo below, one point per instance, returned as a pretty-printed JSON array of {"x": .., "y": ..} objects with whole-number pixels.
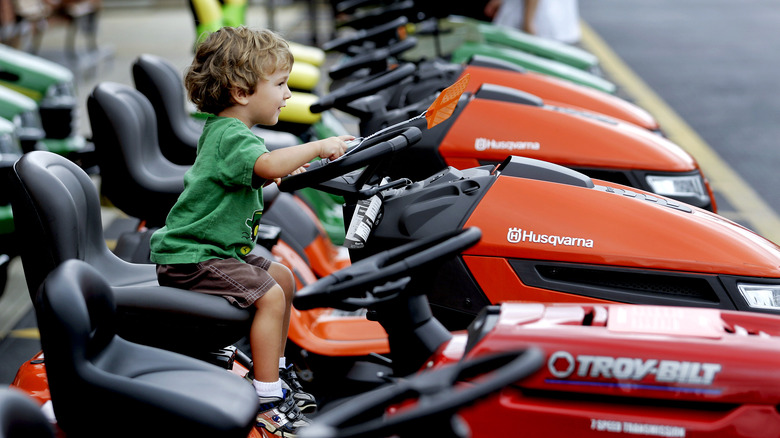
[
  {"x": 274, "y": 297},
  {"x": 283, "y": 276}
]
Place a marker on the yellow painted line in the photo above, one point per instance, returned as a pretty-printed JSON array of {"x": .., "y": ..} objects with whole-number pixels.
[
  {"x": 723, "y": 178},
  {"x": 27, "y": 333}
]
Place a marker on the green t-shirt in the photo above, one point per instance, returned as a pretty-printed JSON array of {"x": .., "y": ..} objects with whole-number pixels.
[{"x": 218, "y": 213}]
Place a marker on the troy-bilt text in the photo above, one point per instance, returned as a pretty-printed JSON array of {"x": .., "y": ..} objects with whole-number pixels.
[{"x": 563, "y": 364}]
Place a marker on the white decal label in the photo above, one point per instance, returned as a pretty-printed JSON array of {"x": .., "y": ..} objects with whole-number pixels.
[
  {"x": 517, "y": 235},
  {"x": 632, "y": 428},
  {"x": 483, "y": 144},
  {"x": 362, "y": 222}
]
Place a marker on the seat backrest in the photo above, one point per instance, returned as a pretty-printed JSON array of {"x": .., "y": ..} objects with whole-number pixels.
[
  {"x": 76, "y": 317},
  {"x": 57, "y": 210},
  {"x": 102, "y": 384},
  {"x": 21, "y": 417},
  {"x": 177, "y": 132},
  {"x": 75, "y": 312},
  {"x": 135, "y": 176}
]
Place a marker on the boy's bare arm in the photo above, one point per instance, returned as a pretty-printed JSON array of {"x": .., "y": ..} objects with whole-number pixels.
[{"x": 284, "y": 161}]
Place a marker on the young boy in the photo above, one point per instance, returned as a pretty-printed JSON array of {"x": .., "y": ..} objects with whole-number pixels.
[{"x": 239, "y": 76}]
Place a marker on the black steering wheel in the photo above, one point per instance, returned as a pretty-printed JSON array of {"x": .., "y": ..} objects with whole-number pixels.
[
  {"x": 371, "y": 281},
  {"x": 439, "y": 394},
  {"x": 377, "y": 16},
  {"x": 371, "y": 85},
  {"x": 377, "y": 59},
  {"x": 381, "y": 34},
  {"x": 366, "y": 151}
]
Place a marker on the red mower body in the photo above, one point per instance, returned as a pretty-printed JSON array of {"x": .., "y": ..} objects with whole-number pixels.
[
  {"x": 553, "y": 235},
  {"x": 635, "y": 370},
  {"x": 569, "y": 138},
  {"x": 562, "y": 93},
  {"x": 496, "y": 122}
]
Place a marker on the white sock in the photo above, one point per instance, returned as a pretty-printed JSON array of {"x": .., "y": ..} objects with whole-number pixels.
[
  {"x": 268, "y": 389},
  {"x": 282, "y": 362}
]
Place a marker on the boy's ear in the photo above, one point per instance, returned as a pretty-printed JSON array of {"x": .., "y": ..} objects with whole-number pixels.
[{"x": 239, "y": 96}]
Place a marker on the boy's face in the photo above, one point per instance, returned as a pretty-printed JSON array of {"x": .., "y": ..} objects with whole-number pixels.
[{"x": 265, "y": 104}]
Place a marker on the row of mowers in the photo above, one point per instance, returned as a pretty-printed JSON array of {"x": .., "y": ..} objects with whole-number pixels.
[
  {"x": 504, "y": 250},
  {"x": 37, "y": 112}
]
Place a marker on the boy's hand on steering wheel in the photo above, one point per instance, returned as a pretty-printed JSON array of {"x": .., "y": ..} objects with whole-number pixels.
[
  {"x": 299, "y": 170},
  {"x": 276, "y": 181},
  {"x": 334, "y": 147}
]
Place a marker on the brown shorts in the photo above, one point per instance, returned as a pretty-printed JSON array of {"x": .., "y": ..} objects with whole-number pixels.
[{"x": 240, "y": 283}]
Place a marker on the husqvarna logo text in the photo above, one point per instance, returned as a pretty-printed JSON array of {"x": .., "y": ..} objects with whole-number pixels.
[
  {"x": 483, "y": 144},
  {"x": 563, "y": 364},
  {"x": 517, "y": 235}
]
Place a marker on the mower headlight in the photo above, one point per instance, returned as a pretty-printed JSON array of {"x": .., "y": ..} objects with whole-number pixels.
[
  {"x": 9, "y": 144},
  {"x": 61, "y": 89},
  {"x": 29, "y": 119},
  {"x": 29, "y": 126},
  {"x": 761, "y": 296},
  {"x": 59, "y": 111},
  {"x": 686, "y": 188}
]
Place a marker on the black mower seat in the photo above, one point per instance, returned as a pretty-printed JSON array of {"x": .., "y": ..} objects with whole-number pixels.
[
  {"x": 56, "y": 208},
  {"x": 21, "y": 417},
  {"x": 135, "y": 175},
  {"x": 177, "y": 132},
  {"x": 102, "y": 384}
]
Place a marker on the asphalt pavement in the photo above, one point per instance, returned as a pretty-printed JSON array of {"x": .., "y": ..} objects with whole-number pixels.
[{"x": 714, "y": 63}]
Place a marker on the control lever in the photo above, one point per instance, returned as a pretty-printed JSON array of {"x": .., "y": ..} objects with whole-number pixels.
[{"x": 369, "y": 192}]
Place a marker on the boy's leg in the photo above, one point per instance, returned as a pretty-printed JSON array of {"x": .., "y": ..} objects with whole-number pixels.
[
  {"x": 284, "y": 278},
  {"x": 278, "y": 411},
  {"x": 266, "y": 334},
  {"x": 250, "y": 284}
]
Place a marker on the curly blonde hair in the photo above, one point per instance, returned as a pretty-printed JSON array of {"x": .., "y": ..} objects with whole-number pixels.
[{"x": 233, "y": 58}]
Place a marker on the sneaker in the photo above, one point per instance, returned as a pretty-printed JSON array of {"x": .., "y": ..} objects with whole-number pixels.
[
  {"x": 305, "y": 401},
  {"x": 280, "y": 416}
]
